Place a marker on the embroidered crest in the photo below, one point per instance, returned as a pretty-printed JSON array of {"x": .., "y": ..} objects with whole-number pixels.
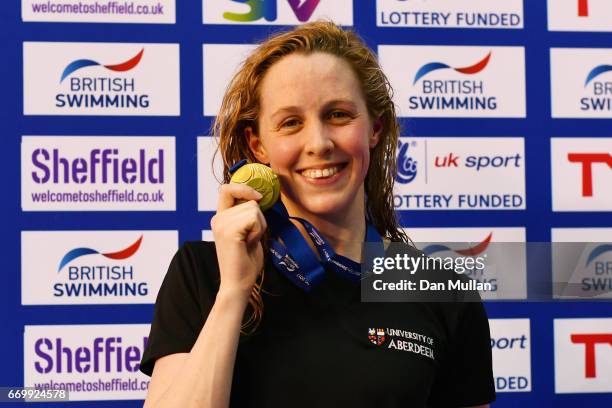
[{"x": 376, "y": 336}]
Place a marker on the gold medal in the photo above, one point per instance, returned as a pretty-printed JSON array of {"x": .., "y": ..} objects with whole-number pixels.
[{"x": 261, "y": 178}]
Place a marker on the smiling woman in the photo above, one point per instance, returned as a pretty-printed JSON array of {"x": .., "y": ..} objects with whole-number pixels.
[{"x": 313, "y": 105}]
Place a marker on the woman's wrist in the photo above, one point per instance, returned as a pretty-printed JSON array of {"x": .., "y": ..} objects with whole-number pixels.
[{"x": 233, "y": 294}]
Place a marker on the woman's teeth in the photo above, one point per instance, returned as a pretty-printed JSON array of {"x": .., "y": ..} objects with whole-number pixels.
[{"x": 321, "y": 173}]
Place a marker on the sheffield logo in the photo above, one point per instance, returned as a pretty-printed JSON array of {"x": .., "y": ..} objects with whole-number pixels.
[
  {"x": 267, "y": 9},
  {"x": 434, "y": 66},
  {"x": 79, "y": 252},
  {"x": 82, "y": 63},
  {"x": 92, "y": 362}
]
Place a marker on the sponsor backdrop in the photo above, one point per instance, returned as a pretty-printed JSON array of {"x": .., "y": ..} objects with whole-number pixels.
[{"x": 506, "y": 111}]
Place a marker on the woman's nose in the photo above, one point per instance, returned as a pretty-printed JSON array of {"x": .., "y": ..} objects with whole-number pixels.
[{"x": 318, "y": 139}]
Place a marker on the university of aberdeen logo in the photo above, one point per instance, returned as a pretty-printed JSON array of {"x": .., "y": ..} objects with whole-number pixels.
[{"x": 376, "y": 336}]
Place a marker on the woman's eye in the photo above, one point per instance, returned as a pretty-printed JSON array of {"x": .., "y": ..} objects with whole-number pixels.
[
  {"x": 338, "y": 115},
  {"x": 290, "y": 123}
]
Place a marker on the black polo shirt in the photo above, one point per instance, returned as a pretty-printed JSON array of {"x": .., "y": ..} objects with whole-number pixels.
[{"x": 328, "y": 349}]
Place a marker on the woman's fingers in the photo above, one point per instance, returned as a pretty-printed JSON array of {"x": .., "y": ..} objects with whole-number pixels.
[{"x": 230, "y": 194}]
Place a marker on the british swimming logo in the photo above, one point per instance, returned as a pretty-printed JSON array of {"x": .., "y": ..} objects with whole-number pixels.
[
  {"x": 456, "y": 81},
  {"x": 469, "y": 70},
  {"x": 101, "y": 79},
  {"x": 94, "y": 267},
  {"x": 284, "y": 12},
  {"x": 597, "y": 71},
  {"x": 469, "y": 251},
  {"x": 82, "y": 251},
  {"x": 581, "y": 82},
  {"x": 376, "y": 336},
  {"x": 406, "y": 165},
  {"x": 83, "y": 63},
  {"x": 597, "y": 252}
]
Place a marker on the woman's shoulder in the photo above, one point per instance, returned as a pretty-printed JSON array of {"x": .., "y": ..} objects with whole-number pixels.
[{"x": 195, "y": 264}]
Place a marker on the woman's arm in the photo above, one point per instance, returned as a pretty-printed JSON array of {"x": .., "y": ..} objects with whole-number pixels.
[{"x": 202, "y": 377}]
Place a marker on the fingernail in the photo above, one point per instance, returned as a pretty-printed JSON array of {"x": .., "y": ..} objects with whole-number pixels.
[{"x": 259, "y": 195}]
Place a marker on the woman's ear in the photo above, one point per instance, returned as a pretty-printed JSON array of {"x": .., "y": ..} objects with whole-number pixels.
[
  {"x": 258, "y": 149},
  {"x": 377, "y": 130}
]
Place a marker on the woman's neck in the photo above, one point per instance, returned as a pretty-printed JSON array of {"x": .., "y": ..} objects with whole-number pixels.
[{"x": 344, "y": 230}]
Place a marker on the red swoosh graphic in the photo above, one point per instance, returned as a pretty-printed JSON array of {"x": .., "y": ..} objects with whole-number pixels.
[
  {"x": 127, "y": 252},
  {"x": 479, "y": 66},
  {"x": 127, "y": 65},
  {"x": 476, "y": 249}
]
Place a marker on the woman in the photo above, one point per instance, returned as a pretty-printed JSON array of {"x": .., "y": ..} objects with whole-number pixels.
[{"x": 313, "y": 104}]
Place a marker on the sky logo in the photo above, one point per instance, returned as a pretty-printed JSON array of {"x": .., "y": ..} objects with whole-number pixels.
[
  {"x": 469, "y": 251},
  {"x": 121, "y": 67},
  {"x": 595, "y": 72},
  {"x": 406, "y": 165},
  {"x": 469, "y": 70},
  {"x": 79, "y": 252},
  {"x": 267, "y": 9}
]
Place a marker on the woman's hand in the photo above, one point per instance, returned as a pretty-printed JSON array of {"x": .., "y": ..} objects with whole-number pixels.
[{"x": 238, "y": 229}]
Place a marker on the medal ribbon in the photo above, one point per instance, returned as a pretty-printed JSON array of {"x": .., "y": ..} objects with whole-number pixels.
[{"x": 295, "y": 259}]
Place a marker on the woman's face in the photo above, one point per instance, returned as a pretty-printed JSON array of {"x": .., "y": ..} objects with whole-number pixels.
[{"x": 315, "y": 132}]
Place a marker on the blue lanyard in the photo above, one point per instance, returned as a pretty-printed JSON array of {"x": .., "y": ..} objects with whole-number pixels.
[{"x": 295, "y": 259}]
